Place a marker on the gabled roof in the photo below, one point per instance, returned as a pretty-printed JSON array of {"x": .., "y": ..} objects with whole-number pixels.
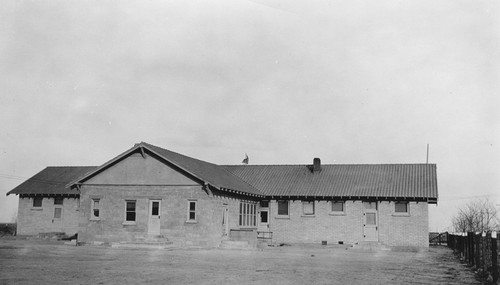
[
  {"x": 212, "y": 174},
  {"x": 363, "y": 180},
  {"x": 51, "y": 181},
  {"x": 405, "y": 181}
]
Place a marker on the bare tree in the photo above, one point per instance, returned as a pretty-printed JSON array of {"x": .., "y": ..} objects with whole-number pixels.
[{"x": 478, "y": 215}]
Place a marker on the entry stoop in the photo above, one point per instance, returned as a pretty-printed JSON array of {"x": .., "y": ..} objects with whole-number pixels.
[
  {"x": 234, "y": 244},
  {"x": 154, "y": 242},
  {"x": 371, "y": 246},
  {"x": 264, "y": 243}
]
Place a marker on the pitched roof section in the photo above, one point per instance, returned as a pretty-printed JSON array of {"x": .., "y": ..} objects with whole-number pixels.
[
  {"x": 211, "y": 173},
  {"x": 215, "y": 175},
  {"x": 52, "y": 180},
  {"x": 365, "y": 180}
]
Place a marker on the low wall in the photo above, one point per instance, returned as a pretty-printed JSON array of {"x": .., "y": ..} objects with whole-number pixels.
[{"x": 249, "y": 235}]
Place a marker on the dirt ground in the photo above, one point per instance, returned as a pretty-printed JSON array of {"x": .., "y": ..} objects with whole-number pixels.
[{"x": 38, "y": 262}]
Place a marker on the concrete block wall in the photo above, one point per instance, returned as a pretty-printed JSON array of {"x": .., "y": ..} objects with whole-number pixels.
[
  {"x": 206, "y": 231},
  {"x": 323, "y": 226},
  {"x": 407, "y": 230},
  {"x": 34, "y": 220},
  {"x": 393, "y": 229}
]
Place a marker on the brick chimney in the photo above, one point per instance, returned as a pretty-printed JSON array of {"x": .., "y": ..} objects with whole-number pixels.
[{"x": 316, "y": 164}]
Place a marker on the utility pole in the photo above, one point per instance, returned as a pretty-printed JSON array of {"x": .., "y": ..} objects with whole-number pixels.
[{"x": 427, "y": 160}]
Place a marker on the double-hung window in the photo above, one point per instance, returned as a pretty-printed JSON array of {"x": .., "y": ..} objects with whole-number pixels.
[
  {"x": 401, "y": 207},
  {"x": 96, "y": 207},
  {"x": 58, "y": 202},
  {"x": 191, "y": 211},
  {"x": 37, "y": 201},
  {"x": 338, "y": 208},
  {"x": 283, "y": 208},
  {"x": 130, "y": 210}
]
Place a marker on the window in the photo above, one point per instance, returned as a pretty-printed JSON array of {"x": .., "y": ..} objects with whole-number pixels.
[
  {"x": 155, "y": 208},
  {"x": 192, "y": 211},
  {"x": 95, "y": 208},
  {"x": 338, "y": 206},
  {"x": 57, "y": 213},
  {"x": 37, "y": 201},
  {"x": 264, "y": 217},
  {"x": 264, "y": 204},
  {"x": 58, "y": 201},
  {"x": 130, "y": 211},
  {"x": 308, "y": 208},
  {"x": 401, "y": 207},
  {"x": 282, "y": 208},
  {"x": 371, "y": 219},
  {"x": 248, "y": 214}
]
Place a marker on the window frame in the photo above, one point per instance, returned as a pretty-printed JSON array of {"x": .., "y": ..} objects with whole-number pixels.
[
  {"x": 306, "y": 204},
  {"x": 37, "y": 205},
  {"x": 189, "y": 211},
  {"x": 58, "y": 199},
  {"x": 278, "y": 215},
  {"x": 337, "y": 213},
  {"x": 127, "y": 221},
  {"x": 247, "y": 214},
  {"x": 92, "y": 208},
  {"x": 60, "y": 213},
  {"x": 400, "y": 213},
  {"x": 267, "y": 216}
]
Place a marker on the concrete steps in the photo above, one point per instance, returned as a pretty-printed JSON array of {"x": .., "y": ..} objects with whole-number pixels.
[
  {"x": 264, "y": 243},
  {"x": 234, "y": 244}
]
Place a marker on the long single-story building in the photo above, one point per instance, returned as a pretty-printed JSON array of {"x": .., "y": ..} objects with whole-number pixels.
[{"x": 149, "y": 192}]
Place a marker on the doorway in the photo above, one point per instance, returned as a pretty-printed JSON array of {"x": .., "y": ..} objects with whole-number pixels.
[
  {"x": 225, "y": 221},
  {"x": 154, "y": 221},
  {"x": 370, "y": 223}
]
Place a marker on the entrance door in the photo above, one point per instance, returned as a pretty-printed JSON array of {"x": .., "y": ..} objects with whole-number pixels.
[
  {"x": 57, "y": 220},
  {"x": 263, "y": 220},
  {"x": 225, "y": 221},
  {"x": 370, "y": 225},
  {"x": 154, "y": 217}
]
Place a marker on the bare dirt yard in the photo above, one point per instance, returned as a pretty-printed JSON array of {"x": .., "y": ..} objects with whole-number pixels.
[{"x": 39, "y": 262}]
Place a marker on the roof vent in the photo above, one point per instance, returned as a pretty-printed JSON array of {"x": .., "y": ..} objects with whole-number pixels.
[{"x": 316, "y": 164}]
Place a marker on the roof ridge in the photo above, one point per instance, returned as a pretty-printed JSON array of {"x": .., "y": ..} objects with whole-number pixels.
[
  {"x": 180, "y": 154},
  {"x": 200, "y": 175},
  {"x": 330, "y": 164},
  {"x": 239, "y": 178}
]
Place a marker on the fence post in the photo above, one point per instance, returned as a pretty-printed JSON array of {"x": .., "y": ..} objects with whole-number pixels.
[
  {"x": 470, "y": 248},
  {"x": 465, "y": 245},
  {"x": 494, "y": 256},
  {"x": 484, "y": 252},
  {"x": 477, "y": 249}
]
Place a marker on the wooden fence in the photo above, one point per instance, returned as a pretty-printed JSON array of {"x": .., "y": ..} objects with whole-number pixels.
[
  {"x": 479, "y": 250},
  {"x": 438, "y": 238}
]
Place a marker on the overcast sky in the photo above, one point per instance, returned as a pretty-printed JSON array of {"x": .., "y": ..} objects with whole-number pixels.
[{"x": 284, "y": 81}]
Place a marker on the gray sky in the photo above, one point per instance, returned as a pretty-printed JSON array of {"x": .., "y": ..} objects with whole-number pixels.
[{"x": 284, "y": 81}]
